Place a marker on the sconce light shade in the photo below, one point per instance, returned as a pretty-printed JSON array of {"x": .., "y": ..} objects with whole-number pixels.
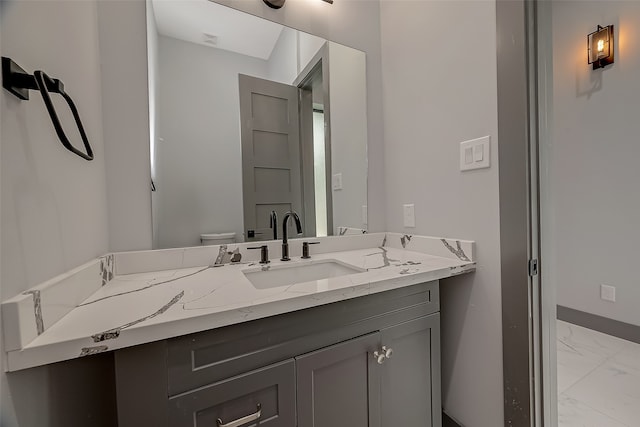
[
  {"x": 274, "y": 4},
  {"x": 600, "y": 47}
]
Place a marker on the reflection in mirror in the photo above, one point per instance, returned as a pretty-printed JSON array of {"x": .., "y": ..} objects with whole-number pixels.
[{"x": 250, "y": 119}]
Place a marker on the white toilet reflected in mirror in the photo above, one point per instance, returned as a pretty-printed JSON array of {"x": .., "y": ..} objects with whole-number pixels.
[{"x": 208, "y": 239}]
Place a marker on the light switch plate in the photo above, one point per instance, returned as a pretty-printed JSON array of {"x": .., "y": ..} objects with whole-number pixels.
[
  {"x": 608, "y": 293},
  {"x": 336, "y": 182},
  {"x": 475, "y": 153},
  {"x": 409, "y": 215}
]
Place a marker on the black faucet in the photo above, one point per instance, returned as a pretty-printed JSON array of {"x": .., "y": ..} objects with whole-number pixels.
[
  {"x": 273, "y": 223},
  {"x": 285, "y": 243}
]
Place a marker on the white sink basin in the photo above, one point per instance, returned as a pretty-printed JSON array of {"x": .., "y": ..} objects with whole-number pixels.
[{"x": 297, "y": 272}]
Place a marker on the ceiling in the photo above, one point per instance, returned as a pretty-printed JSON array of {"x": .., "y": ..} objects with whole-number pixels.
[{"x": 213, "y": 25}]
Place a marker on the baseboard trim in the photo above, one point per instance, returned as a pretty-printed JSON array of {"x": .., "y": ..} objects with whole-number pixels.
[
  {"x": 447, "y": 421},
  {"x": 605, "y": 325}
]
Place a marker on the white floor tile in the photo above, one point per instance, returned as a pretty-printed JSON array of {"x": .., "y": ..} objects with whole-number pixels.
[
  {"x": 573, "y": 413},
  {"x": 588, "y": 340},
  {"x": 574, "y": 364},
  {"x": 630, "y": 356},
  {"x": 612, "y": 389},
  {"x": 598, "y": 379},
  {"x": 580, "y": 351}
]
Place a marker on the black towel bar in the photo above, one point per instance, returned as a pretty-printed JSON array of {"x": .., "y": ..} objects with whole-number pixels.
[{"x": 17, "y": 81}]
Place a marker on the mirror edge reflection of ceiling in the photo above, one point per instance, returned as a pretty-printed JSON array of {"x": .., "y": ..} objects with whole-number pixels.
[{"x": 213, "y": 25}]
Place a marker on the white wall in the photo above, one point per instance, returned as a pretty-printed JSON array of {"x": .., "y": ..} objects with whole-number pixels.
[
  {"x": 283, "y": 63},
  {"x": 439, "y": 88},
  {"x": 348, "y": 103},
  {"x": 592, "y": 176},
  {"x": 199, "y": 176},
  {"x": 154, "y": 88},
  {"x": 308, "y": 46},
  {"x": 53, "y": 203},
  {"x": 291, "y": 54},
  {"x": 125, "y": 104}
]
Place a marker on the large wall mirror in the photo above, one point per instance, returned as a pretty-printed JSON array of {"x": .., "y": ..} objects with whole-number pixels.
[{"x": 251, "y": 119}]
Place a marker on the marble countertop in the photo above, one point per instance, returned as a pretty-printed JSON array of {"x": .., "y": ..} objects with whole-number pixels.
[{"x": 138, "y": 308}]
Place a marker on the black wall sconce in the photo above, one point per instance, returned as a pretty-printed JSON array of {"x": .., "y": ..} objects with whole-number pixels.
[
  {"x": 274, "y": 4},
  {"x": 600, "y": 47},
  {"x": 277, "y": 4}
]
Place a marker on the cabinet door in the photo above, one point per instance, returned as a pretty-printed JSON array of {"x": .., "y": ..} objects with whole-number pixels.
[
  {"x": 264, "y": 397},
  {"x": 410, "y": 383},
  {"x": 339, "y": 386}
]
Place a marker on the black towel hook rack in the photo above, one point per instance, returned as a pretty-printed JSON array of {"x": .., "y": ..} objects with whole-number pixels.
[{"x": 17, "y": 81}]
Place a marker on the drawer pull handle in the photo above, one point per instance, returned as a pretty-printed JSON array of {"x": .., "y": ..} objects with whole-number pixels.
[{"x": 244, "y": 420}]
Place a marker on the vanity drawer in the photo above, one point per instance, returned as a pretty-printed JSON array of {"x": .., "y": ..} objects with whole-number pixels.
[
  {"x": 211, "y": 356},
  {"x": 264, "y": 397}
]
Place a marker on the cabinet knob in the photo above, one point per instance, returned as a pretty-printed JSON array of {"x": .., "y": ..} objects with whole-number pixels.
[
  {"x": 380, "y": 357},
  {"x": 388, "y": 352}
]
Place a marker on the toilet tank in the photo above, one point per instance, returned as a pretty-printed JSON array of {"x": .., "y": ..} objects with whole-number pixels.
[{"x": 217, "y": 238}]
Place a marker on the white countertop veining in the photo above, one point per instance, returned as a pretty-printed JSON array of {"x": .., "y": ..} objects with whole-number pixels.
[{"x": 137, "y": 308}]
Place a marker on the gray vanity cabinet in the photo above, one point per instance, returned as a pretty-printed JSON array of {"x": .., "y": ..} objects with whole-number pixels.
[
  {"x": 371, "y": 361},
  {"x": 410, "y": 379},
  {"x": 339, "y": 386},
  {"x": 266, "y": 395}
]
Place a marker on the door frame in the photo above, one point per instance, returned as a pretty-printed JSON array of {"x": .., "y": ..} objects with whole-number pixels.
[
  {"x": 320, "y": 61},
  {"x": 526, "y": 306},
  {"x": 541, "y": 82}
]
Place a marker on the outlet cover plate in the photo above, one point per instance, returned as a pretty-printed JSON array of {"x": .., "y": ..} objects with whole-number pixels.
[
  {"x": 608, "y": 293},
  {"x": 409, "y": 215},
  {"x": 337, "y": 181}
]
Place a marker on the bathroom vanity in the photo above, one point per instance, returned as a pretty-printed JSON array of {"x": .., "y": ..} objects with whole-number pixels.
[
  {"x": 368, "y": 361},
  {"x": 350, "y": 337}
]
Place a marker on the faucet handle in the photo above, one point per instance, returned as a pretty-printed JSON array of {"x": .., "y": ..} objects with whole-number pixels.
[
  {"x": 305, "y": 249},
  {"x": 264, "y": 253}
]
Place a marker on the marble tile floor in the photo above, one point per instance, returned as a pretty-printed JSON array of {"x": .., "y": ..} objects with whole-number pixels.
[{"x": 598, "y": 379}]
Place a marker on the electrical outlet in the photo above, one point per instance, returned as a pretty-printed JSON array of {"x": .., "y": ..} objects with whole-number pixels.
[
  {"x": 337, "y": 181},
  {"x": 608, "y": 293},
  {"x": 409, "y": 215}
]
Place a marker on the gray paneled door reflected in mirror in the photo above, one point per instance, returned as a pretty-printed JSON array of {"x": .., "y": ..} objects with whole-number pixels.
[{"x": 229, "y": 144}]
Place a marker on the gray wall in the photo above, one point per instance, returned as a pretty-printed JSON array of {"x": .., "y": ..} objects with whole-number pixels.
[
  {"x": 53, "y": 203},
  {"x": 431, "y": 104},
  {"x": 591, "y": 178}
]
